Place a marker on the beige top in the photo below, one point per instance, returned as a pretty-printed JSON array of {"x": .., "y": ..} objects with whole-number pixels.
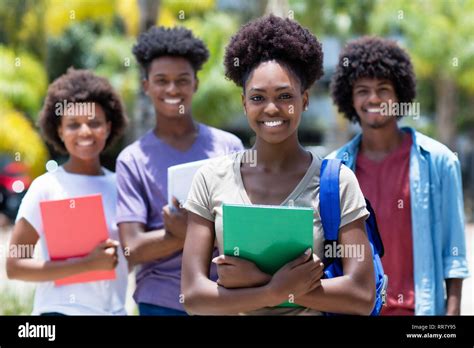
[{"x": 220, "y": 181}]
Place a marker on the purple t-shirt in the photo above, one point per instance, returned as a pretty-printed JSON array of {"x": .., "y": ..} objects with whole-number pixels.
[{"x": 142, "y": 182}]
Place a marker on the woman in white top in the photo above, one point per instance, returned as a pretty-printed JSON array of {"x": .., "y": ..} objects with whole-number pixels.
[
  {"x": 82, "y": 115},
  {"x": 275, "y": 61}
]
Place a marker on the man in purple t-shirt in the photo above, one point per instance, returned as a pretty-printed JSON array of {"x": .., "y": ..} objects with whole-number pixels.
[{"x": 151, "y": 233}]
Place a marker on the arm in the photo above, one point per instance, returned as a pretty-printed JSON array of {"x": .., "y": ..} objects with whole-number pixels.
[
  {"x": 354, "y": 292},
  {"x": 24, "y": 267},
  {"x": 140, "y": 246},
  {"x": 203, "y": 296},
  {"x": 143, "y": 247},
  {"x": 235, "y": 272},
  {"x": 454, "y": 289},
  {"x": 453, "y": 239}
]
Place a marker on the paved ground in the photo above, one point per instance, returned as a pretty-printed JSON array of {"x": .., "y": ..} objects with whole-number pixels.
[{"x": 23, "y": 288}]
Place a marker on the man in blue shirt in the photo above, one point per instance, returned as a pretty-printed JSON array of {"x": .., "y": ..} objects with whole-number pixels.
[{"x": 374, "y": 85}]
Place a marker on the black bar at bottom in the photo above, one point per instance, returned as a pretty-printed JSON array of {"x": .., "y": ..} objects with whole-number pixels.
[{"x": 136, "y": 331}]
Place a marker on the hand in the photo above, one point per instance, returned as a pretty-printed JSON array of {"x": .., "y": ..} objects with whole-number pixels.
[
  {"x": 235, "y": 272},
  {"x": 454, "y": 290},
  {"x": 297, "y": 277},
  {"x": 175, "y": 221},
  {"x": 104, "y": 256},
  {"x": 453, "y": 309}
]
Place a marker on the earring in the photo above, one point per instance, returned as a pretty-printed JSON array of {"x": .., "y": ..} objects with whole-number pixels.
[{"x": 306, "y": 108}]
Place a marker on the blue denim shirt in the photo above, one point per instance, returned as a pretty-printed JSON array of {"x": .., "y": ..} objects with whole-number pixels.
[{"x": 439, "y": 245}]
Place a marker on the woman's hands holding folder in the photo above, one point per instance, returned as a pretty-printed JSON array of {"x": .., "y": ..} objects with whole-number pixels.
[
  {"x": 104, "y": 256},
  {"x": 297, "y": 278},
  {"x": 235, "y": 272}
]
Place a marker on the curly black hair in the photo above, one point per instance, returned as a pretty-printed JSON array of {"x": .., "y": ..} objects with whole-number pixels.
[
  {"x": 268, "y": 38},
  {"x": 371, "y": 57},
  {"x": 77, "y": 86},
  {"x": 178, "y": 41}
]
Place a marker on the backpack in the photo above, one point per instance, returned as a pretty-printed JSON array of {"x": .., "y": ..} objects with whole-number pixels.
[{"x": 330, "y": 211}]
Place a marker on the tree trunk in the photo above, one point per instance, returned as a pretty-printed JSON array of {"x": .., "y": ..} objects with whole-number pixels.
[
  {"x": 279, "y": 8},
  {"x": 144, "y": 115},
  {"x": 148, "y": 13},
  {"x": 446, "y": 110}
]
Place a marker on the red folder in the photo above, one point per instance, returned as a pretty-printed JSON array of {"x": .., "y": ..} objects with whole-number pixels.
[{"x": 73, "y": 227}]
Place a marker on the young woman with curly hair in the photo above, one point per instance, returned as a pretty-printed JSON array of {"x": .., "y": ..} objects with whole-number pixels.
[
  {"x": 92, "y": 120},
  {"x": 154, "y": 234},
  {"x": 275, "y": 61},
  {"x": 412, "y": 181}
]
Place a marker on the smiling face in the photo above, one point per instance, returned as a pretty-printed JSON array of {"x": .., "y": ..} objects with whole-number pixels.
[
  {"x": 273, "y": 102},
  {"x": 368, "y": 95},
  {"x": 85, "y": 137},
  {"x": 171, "y": 84}
]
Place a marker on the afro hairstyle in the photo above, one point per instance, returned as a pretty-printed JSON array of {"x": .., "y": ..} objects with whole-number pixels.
[
  {"x": 274, "y": 38},
  {"x": 371, "y": 57},
  {"x": 178, "y": 41},
  {"x": 77, "y": 86}
]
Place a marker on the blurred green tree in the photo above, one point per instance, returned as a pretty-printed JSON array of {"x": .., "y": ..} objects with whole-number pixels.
[
  {"x": 23, "y": 25},
  {"x": 217, "y": 98},
  {"x": 114, "y": 60},
  {"x": 62, "y": 14},
  {"x": 340, "y": 18},
  {"x": 439, "y": 36},
  {"x": 71, "y": 49},
  {"x": 23, "y": 81},
  {"x": 30, "y": 150}
]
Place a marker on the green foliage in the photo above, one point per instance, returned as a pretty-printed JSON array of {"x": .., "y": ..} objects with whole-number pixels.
[
  {"x": 61, "y": 14},
  {"x": 342, "y": 18},
  {"x": 72, "y": 48},
  {"x": 86, "y": 46},
  {"x": 439, "y": 35},
  {"x": 22, "y": 81},
  {"x": 22, "y": 25},
  {"x": 217, "y": 98},
  {"x": 12, "y": 304},
  {"x": 115, "y": 61},
  {"x": 10, "y": 16},
  {"x": 187, "y": 7},
  {"x": 20, "y": 139}
]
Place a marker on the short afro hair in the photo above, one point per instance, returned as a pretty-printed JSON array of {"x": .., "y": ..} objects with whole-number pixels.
[
  {"x": 274, "y": 38},
  {"x": 77, "y": 86},
  {"x": 178, "y": 41},
  {"x": 371, "y": 57}
]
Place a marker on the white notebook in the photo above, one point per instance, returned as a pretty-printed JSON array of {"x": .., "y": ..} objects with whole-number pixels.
[{"x": 180, "y": 178}]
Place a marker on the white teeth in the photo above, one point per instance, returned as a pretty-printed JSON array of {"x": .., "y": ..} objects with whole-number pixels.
[
  {"x": 85, "y": 143},
  {"x": 172, "y": 101},
  {"x": 273, "y": 123},
  {"x": 373, "y": 110}
]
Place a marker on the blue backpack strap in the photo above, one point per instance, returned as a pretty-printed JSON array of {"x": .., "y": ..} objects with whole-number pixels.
[{"x": 329, "y": 205}]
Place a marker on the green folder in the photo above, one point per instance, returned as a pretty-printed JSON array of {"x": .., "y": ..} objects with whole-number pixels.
[{"x": 269, "y": 236}]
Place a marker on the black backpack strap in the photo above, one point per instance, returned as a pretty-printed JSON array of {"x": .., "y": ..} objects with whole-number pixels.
[{"x": 374, "y": 230}]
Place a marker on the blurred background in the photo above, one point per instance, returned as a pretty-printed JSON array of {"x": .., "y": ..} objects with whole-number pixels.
[{"x": 41, "y": 39}]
